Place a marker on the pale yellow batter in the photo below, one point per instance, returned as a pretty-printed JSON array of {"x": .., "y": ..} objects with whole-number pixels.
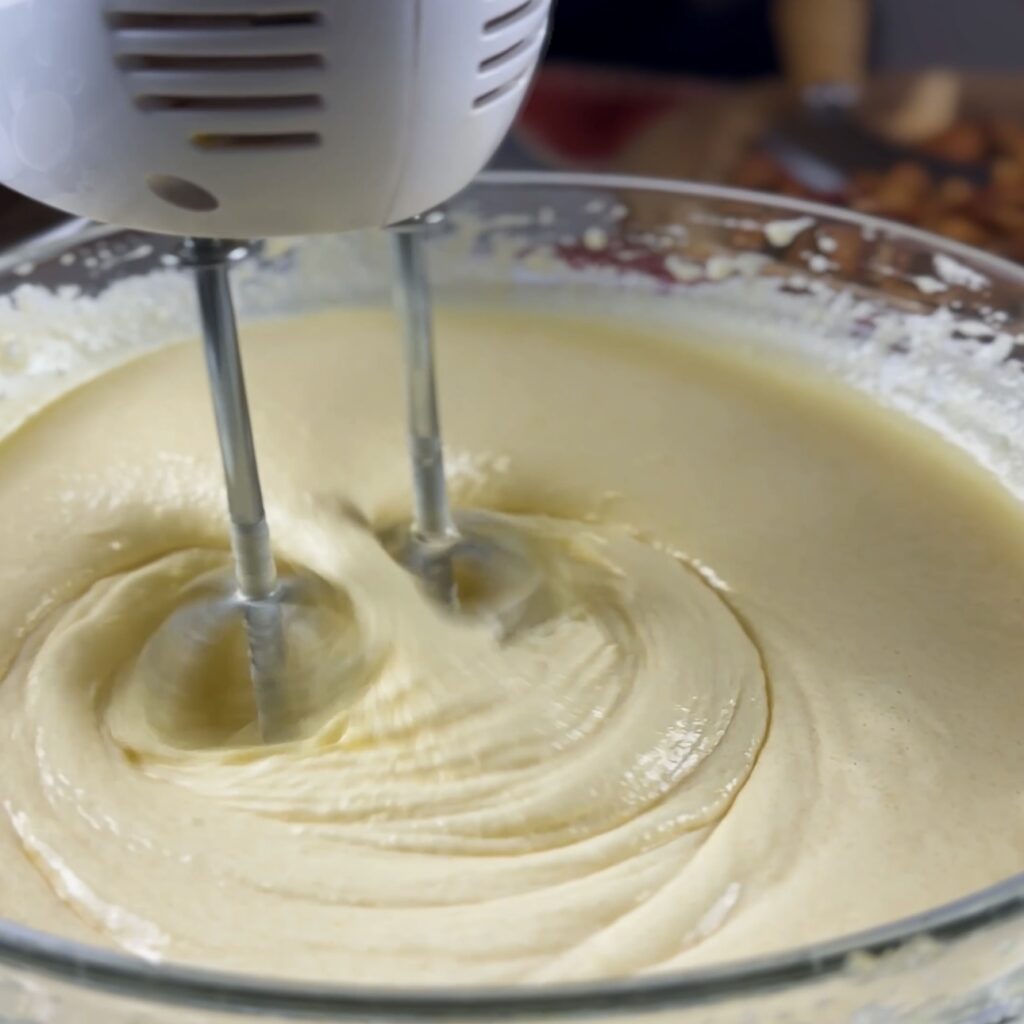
[{"x": 770, "y": 691}]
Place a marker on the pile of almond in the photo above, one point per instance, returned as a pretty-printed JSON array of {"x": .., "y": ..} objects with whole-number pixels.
[{"x": 989, "y": 215}]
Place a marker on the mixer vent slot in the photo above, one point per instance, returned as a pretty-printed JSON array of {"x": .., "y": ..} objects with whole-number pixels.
[
  {"x": 267, "y": 62},
  {"x": 225, "y": 104},
  {"x": 263, "y": 140},
  {"x": 494, "y": 95},
  {"x": 129, "y": 21},
  {"x": 497, "y": 59},
  {"x": 511, "y": 16}
]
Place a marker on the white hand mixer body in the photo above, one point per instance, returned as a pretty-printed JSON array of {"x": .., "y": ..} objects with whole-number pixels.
[
  {"x": 249, "y": 118},
  {"x": 221, "y": 119}
]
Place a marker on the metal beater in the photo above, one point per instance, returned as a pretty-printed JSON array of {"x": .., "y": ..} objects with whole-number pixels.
[{"x": 260, "y": 596}]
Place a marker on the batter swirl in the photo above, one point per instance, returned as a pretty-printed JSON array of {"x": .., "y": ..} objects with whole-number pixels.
[{"x": 592, "y": 787}]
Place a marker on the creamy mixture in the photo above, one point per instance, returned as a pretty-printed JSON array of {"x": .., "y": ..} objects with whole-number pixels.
[{"x": 766, "y": 692}]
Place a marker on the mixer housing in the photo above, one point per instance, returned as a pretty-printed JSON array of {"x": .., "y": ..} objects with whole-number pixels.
[{"x": 242, "y": 118}]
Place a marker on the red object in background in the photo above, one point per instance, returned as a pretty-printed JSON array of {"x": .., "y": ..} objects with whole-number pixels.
[{"x": 580, "y": 115}]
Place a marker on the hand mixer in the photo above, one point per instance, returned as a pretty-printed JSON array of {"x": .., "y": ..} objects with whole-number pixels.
[{"x": 238, "y": 119}]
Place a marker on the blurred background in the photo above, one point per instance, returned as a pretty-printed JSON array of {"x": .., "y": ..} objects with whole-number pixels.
[{"x": 911, "y": 109}]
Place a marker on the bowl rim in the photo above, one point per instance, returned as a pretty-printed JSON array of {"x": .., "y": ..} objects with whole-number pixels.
[{"x": 117, "y": 974}]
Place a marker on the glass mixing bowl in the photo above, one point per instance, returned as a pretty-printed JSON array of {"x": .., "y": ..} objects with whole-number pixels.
[{"x": 926, "y": 326}]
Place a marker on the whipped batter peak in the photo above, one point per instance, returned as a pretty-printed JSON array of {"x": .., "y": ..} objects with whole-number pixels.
[{"x": 765, "y": 689}]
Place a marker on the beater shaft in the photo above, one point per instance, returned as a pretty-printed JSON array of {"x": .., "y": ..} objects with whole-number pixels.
[
  {"x": 250, "y": 535},
  {"x": 434, "y": 533}
]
